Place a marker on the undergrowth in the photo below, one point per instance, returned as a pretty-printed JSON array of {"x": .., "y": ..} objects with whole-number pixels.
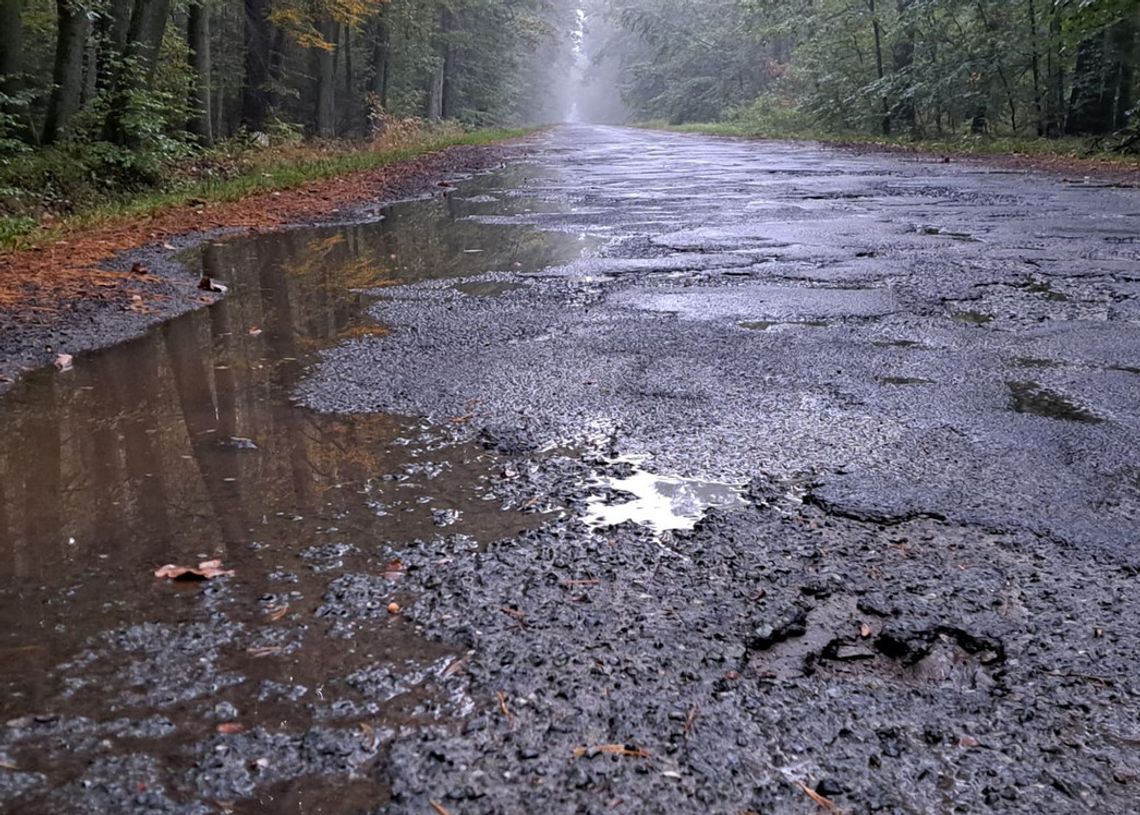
[{"x": 46, "y": 193}]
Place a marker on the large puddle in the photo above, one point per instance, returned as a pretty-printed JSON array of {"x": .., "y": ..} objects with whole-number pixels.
[{"x": 183, "y": 446}]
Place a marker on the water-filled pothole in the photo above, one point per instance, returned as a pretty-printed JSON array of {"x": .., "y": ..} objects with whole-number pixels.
[
  {"x": 661, "y": 502},
  {"x": 1030, "y": 397}
]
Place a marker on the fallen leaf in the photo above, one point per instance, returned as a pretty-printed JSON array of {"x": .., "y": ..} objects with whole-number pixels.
[
  {"x": 230, "y": 728},
  {"x": 7, "y": 765},
  {"x": 277, "y": 612},
  {"x": 255, "y": 332},
  {"x": 170, "y": 247},
  {"x": 865, "y": 631},
  {"x": 207, "y": 570},
  {"x": 394, "y": 570},
  {"x": 611, "y": 749},
  {"x": 64, "y": 362},
  {"x": 823, "y": 803},
  {"x": 438, "y": 807},
  {"x": 393, "y": 608}
]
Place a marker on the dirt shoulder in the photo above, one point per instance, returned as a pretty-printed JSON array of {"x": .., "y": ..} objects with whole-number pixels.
[{"x": 109, "y": 283}]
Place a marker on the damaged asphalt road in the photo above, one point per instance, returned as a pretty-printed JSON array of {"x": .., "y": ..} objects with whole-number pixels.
[{"x": 888, "y": 414}]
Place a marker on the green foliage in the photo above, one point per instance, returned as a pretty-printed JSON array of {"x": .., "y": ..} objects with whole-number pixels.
[{"x": 919, "y": 68}]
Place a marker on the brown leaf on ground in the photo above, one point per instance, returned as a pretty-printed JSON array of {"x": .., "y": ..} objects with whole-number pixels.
[
  {"x": 627, "y": 750},
  {"x": 277, "y": 612},
  {"x": 865, "y": 631},
  {"x": 823, "y": 803},
  {"x": 394, "y": 570},
  {"x": 206, "y": 570},
  {"x": 230, "y": 728},
  {"x": 438, "y": 807}
]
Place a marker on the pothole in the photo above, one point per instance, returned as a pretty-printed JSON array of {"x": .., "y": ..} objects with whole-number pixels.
[
  {"x": 661, "y": 502},
  {"x": 1030, "y": 397}
]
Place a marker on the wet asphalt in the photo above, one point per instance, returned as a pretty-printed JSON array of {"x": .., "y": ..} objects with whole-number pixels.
[{"x": 900, "y": 400}]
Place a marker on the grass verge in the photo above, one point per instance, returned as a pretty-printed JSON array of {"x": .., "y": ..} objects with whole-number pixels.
[{"x": 279, "y": 170}]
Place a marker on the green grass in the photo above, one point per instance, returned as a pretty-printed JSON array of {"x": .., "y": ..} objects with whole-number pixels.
[
  {"x": 289, "y": 172},
  {"x": 1064, "y": 148}
]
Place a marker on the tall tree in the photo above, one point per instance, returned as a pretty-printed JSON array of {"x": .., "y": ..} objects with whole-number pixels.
[
  {"x": 198, "y": 38},
  {"x": 72, "y": 25},
  {"x": 136, "y": 72},
  {"x": 257, "y": 37},
  {"x": 12, "y": 106},
  {"x": 324, "y": 76}
]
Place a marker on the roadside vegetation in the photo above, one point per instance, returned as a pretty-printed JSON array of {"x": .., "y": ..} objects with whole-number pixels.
[
  {"x": 229, "y": 172},
  {"x": 1039, "y": 77},
  {"x": 115, "y": 107}
]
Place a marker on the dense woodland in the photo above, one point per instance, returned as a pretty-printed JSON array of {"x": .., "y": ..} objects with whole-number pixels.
[
  {"x": 122, "y": 90},
  {"x": 109, "y": 95},
  {"x": 922, "y": 68}
]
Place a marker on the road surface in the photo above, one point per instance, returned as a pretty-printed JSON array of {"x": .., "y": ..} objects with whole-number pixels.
[{"x": 651, "y": 473}]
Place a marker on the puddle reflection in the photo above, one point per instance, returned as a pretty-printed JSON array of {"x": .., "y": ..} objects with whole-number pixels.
[{"x": 183, "y": 445}]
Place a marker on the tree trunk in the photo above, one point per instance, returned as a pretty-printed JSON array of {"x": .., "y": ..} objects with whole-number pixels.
[
  {"x": 140, "y": 57},
  {"x": 12, "y": 71},
  {"x": 1035, "y": 66},
  {"x": 447, "y": 106},
  {"x": 877, "y": 28},
  {"x": 1100, "y": 80},
  {"x": 902, "y": 53},
  {"x": 1055, "y": 92},
  {"x": 324, "y": 70},
  {"x": 201, "y": 123},
  {"x": 439, "y": 74},
  {"x": 67, "y": 75},
  {"x": 255, "y": 85},
  {"x": 381, "y": 59}
]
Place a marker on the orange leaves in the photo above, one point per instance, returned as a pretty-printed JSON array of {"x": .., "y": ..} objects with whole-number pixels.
[{"x": 302, "y": 20}]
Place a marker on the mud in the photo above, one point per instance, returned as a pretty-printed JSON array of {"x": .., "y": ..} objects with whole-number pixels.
[{"x": 882, "y": 554}]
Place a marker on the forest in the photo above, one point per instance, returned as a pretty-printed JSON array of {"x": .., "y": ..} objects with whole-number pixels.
[
  {"x": 905, "y": 68},
  {"x": 105, "y": 97},
  {"x": 108, "y": 97}
]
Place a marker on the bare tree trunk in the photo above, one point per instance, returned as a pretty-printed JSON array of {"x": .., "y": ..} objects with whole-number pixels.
[
  {"x": 877, "y": 28},
  {"x": 902, "y": 53},
  {"x": 12, "y": 69},
  {"x": 201, "y": 123},
  {"x": 255, "y": 84},
  {"x": 439, "y": 73},
  {"x": 67, "y": 75},
  {"x": 447, "y": 90},
  {"x": 324, "y": 70},
  {"x": 1035, "y": 65},
  {"x": 381, "y": 59}
]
